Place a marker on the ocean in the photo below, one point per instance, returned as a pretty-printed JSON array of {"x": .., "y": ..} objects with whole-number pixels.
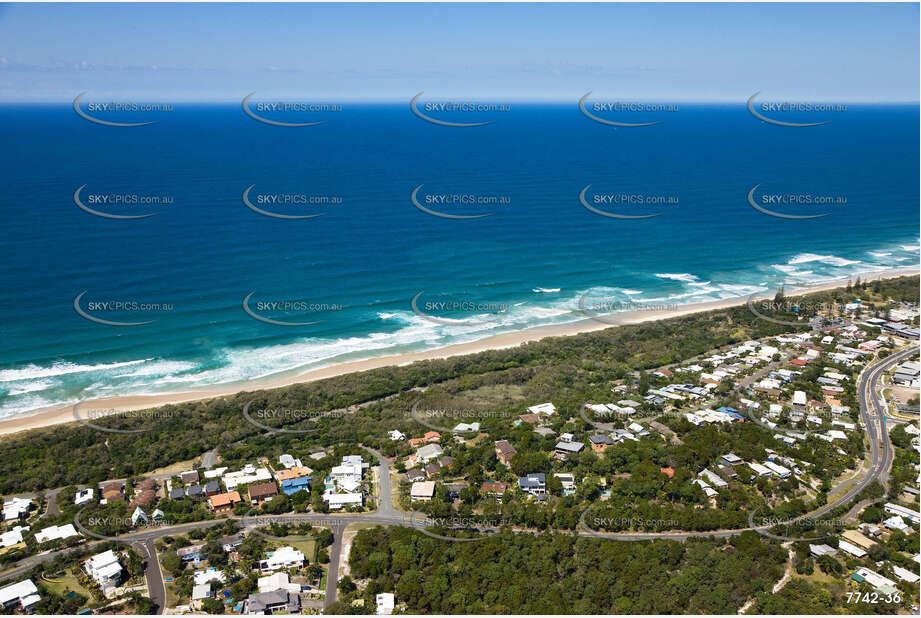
[{"x": 339, "y": 286}]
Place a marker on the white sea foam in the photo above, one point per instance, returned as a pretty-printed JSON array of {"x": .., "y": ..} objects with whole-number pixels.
[
  {"x": 545, "y": 290},
  {"x": 686, "y": 277},
  {"x": 831, "y": 260},
  {"x": 32, "y": 372}
]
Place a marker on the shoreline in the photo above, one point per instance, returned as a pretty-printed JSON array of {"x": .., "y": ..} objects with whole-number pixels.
[{"x": 54, "y": 416}]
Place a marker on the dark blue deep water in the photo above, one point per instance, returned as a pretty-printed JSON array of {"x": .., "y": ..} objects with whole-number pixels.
[{"x": 364, "y": 259}]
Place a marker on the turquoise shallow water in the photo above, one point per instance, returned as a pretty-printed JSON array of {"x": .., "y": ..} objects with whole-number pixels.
[{"x": 356, "y": 268}]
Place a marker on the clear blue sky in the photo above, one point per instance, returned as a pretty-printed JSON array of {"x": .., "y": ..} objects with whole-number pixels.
[{"x": 682, "y": 52}]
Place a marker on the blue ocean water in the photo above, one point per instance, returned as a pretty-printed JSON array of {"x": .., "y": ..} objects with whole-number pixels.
[{"x": 363, "y": 261}]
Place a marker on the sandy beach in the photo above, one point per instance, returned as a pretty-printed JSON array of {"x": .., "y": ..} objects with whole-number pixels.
[{"x": 55, "y": 416}]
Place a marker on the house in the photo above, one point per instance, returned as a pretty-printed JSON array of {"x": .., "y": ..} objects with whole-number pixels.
[
  {"x": 466, "y": 428},
  {"x": 714, "y": 478},
  {"x": 799, "y": 401},
  {"x": 600, "y": 442},
  {"x": 432, "y": 469},
  {"x": 530, "y": 419},
  {"x": 894, "y": 509},
  {"x": 415, "y": 475},
  {"x": 262, "y": 493},
  {"x": 821, "y": 550},
  {"x": 105, "y": 569},
  {"x": 294, "y": 485},
  {"x": 385, "y": 603},
  {"x": 113, "y": 492},
  {"x": 139, "y": 516},
  {"x": 277, "y": 581},
  {"x": 852, "y": 536},
  {"x": 495, "y": 488},
  {"x": 896, "y": 523},
  {"x": 282, "y": 558},
  {"x": 780, "y": 471},
  {"x": 224, "y": 503},
  {"x": 881, "y": 584},
  {"x": 195, "y": 492},
  {"x": 188, "y": 477},
  {"x": 429, "y": 452},
  {"x": 144, "y": 498},
  {"x": 534, "y": 484},
  {"x": 547, "y": 409},
  {"x": 708, "y": 491},
  {"x": 432, "y": 436},
  {"x": 563, "y": 450},
  {"x": 396, "y": 435},
  {"x": 275, "y": 602},
  {"x": 212, "y": 488},
  {"x": 663, "y": 373},
  {"x": 190, "y": 553},
  {"x": 759, "y": 470},
  {"x": 16, "y": 508},
  {"x": 288, "y": 461},
  {"x": 669, "y": 472},
  {"x": 851, "y": 549},
  {"x": 200, "y": 592},
  {"x": 338, "y": 501},
  {"x": 54, "y": 533},
  {"x": 905, "y": 575},
  {"x": 12, "y": 537},
  {"x": 568, "y": 482},
  {"x": 84, "y": 496},
  {"x": 230, "y": 543},
  {"x": 422, "y": 491},
  {"x": 21, "y": 595},
  {"x": 505, "y": 451}
]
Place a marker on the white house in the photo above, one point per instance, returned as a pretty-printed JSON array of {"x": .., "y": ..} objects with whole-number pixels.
[
  {"x": 289, "y": 462},
  {"x": 894, "y": 509},
  {"x": 105, "y": 569},
  {"x": 385, "y": 603},
  {"x": 759, "y": 470},
  {"x": 283, "y": 558},
  {"x": 53, "y": 533},
  {"x": 277, "y": 581},
  {"x": 138, "y": 516},
  {"x": 23, "y": 594},
  {"x": 543, "y": 408},
  {"x": 13, "y": 536},
  {"x": 422, "y": 491},
  {"x": 84, "y": 496},
  {"x": 395, "y": 435},
  {"x": 16, "y": 508},
  {"x": 342, "y": 500}
]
